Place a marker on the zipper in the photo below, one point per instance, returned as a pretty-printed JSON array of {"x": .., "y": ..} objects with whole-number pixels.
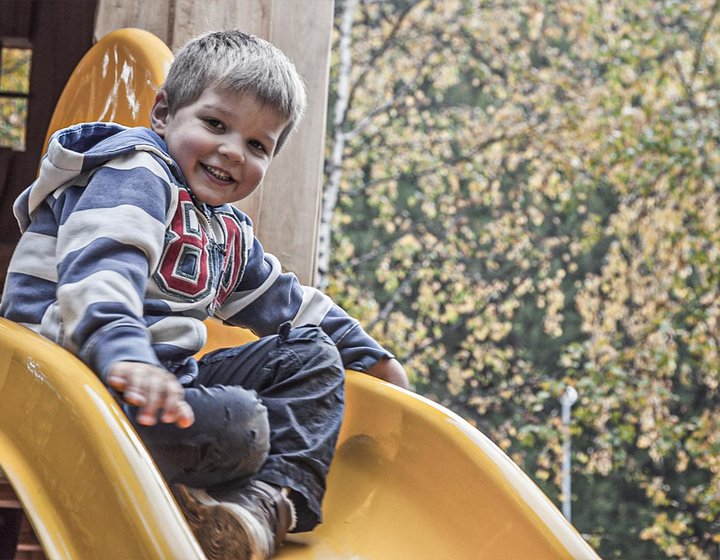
[{"x": 216, "y": 253}]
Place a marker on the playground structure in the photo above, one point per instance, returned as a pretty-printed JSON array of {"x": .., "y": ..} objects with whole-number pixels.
[{"x": 410, "y": 478}]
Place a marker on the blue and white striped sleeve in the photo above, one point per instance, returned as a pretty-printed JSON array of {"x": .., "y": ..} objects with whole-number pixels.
[
  {"x": 110, "y": 236},
  {"x": 266, "y": 298}
]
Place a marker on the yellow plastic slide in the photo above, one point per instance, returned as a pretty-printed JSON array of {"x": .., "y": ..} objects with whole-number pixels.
[{"x": 410, "y": 480}]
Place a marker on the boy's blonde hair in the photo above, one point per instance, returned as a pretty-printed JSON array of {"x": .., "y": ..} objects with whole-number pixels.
[{"x": 235, "y": 61}]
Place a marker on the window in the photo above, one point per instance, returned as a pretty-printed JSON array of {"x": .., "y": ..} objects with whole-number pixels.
[{"x": 14, "y": 94}]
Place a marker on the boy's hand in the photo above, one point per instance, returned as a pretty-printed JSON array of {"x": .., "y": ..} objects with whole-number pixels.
[
  {"x": 390, "y": 370},
  {"x": 152, "y": 389}
]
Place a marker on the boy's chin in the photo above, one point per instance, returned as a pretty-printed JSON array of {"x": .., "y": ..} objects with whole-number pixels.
[
  {"x": 213, "y": 198},
  {"x": 210, "y": 198}
]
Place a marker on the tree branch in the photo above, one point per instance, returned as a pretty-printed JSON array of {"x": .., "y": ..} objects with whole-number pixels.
[
  {"x": 703, "y": 36},
  {"x": 387, "y": 43}
]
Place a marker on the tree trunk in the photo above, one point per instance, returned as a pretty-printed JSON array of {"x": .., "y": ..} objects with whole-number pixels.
[{"x": 334, "y": 164}]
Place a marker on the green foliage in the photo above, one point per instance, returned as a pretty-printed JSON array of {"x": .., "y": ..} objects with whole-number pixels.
[
  {"x": 15, "y": 83},
  {"x": 529, "y": 200}
]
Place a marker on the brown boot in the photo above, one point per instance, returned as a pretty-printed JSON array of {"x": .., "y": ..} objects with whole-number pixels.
[{"x": 249, "y": 523}]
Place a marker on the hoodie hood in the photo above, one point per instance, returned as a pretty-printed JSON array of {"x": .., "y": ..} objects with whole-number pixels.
[{"x": 79, "y": 149}]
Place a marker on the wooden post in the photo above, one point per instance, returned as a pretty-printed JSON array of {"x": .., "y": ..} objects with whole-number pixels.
[
  {"x": 152, "y": 16},
  {"x": 286, "y": 208}
]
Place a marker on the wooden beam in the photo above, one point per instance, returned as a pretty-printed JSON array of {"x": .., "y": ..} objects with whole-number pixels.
[
  {"x": 15, "y": 18},
  {"x": 293, "y": 192},
  {"x": 155, "y": 16}
]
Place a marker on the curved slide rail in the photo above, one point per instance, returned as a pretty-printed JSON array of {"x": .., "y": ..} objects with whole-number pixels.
[
  {"x": 410, "y": 479},
  {"x": 84, "y": 478}
]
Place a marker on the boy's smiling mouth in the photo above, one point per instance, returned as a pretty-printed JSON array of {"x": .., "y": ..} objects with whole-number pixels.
[{"x": 217, "y": 172}]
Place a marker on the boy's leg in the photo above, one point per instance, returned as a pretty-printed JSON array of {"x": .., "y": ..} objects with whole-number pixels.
[
  {"x": 299, "y": 377},
  {"x": 229, "y": 440}
]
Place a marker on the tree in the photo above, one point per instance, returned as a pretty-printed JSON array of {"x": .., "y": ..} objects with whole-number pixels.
[
  {"x": 524, "y": 198},
  {"x": 14, "y": 87}
]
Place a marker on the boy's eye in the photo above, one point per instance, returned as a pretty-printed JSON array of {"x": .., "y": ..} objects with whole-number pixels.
[
  {"x": 214, "y": 123},
  {"x": 258, "y": 146}
]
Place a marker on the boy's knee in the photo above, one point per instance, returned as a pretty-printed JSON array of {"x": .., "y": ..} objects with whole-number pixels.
[
  {"x": 247, "y": 419},
  {"x": 239, "y": 437}
]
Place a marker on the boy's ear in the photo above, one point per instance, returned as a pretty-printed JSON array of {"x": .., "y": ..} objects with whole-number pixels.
[{"x": 159, "y": 113}]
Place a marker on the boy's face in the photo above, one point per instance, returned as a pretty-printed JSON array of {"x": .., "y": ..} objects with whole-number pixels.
[{"x": 223, "y": 142}]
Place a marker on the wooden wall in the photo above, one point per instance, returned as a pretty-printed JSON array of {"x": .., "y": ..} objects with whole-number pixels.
[{"x": 285, "y": 209}]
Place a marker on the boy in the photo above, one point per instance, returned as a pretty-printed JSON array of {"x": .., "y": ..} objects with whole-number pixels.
[{"x": 129, "y": 242}]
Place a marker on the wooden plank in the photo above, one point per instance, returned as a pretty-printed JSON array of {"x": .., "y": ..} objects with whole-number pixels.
[
  {"x": 193, "y": 17},
  {"x": 289, "y": 215},
  {"x": 10, "y": 521},
  {"x": 6, "y": 155},
  {"x": 28, "y": 544},
  {"x": 8, "y": 499},
  {"x": 15, "y": 18},
  {"x": 152, "y": 16}
]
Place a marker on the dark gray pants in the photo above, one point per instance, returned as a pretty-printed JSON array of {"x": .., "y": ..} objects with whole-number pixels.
[{"x": 270, "y": 410}]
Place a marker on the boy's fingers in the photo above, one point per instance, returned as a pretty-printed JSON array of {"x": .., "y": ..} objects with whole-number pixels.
[
  {"x": 153, "y": 390},
  {"x": 136, "y": 389},
  {"x": 186, "y": 416},
  {"x": 117, "y": 381},
  {"x": 117, "y": 377},
  {"x": 177, "y": 410},
  {"x": 173, "y": 398},
  {"x": 147, "y": 415},
  {"x": 124, "y": 378},
  {"x": 166, "y": 394}
]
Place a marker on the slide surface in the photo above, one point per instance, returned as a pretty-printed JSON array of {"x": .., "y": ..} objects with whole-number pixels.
[{"x": 410, "y": 478}]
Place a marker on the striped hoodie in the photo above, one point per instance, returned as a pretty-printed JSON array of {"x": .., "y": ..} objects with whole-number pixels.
[{"x": 117, "y": 261}]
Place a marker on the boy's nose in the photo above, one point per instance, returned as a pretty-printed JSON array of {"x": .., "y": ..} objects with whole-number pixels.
[{"x": 233, "y": 152}]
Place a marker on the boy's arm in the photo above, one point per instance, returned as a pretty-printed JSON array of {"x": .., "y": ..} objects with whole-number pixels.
[
  {"x": 266, "y": 297},
  {"x": 110, "y": 236},
  {"x": 389, "y": 369}
]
